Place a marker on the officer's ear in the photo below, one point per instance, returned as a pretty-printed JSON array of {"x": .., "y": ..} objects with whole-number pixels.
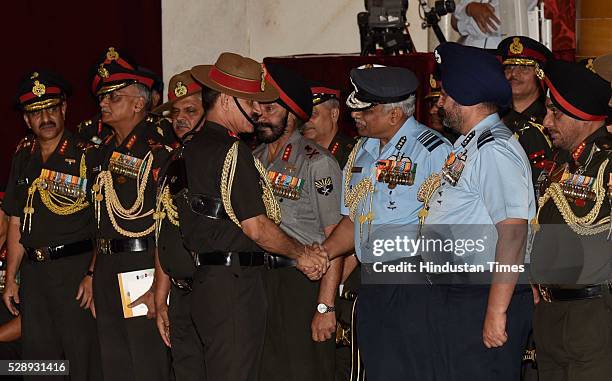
[
  {"x": 395, "y": 115},
  {"x": 335, "y": 114},
  {"x": 224, "y": 101},
  {"x": 27, "y": 120},
  {"x": 139, "y": 105}
]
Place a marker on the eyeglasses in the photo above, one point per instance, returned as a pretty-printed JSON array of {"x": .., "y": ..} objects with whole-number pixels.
[
  {"x": 518, "y": 69},
  {"x": 115, "y": 97},
  {"x": 49, "y": 110}
]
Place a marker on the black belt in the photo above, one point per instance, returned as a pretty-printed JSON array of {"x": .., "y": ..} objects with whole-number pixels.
[
  {"x": 552, "y": 294},
  {"x": 42, "y": 254},
  {"x": 185, "y": 284},
  {"x": 245, "y": 258},
  {"x": 278, "y": 261},
  {"x": 207, "y": 206},
  {"x": 112, "y": 246}
]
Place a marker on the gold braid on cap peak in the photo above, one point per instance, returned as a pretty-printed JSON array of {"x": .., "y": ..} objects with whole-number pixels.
[
  {"x": 55, "y": 196},
  {"x": 227, "y": 179}
]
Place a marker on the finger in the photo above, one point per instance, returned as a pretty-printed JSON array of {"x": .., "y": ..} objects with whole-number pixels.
[
  {"x": 136, "y": 302},
  {"x": 16, "y": 297},
  {"x": 483, "y": 27},
  {"x": 492, "y": 15},
  {"x": 79, "y": 292},
  {"x": 92, "y": 308},
  {"x": 491, "y": 24}
]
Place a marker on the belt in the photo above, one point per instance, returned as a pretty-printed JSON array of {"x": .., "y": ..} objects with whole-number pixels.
[
  {"x": 207, "y": 206},
  {"x": 278, "y": 261},
  {"x": 552, "y": 294},
  {"x": 42, "y": 254},
  {"x": 185, "y": 284},
  {"x": 245, "y": 258},
  {"x": 112, "y": 246}
]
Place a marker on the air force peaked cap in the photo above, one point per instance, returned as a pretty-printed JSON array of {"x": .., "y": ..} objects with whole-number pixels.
[
  {"x": 471, "y": 75},
  {"x": 379, "y": 85}
]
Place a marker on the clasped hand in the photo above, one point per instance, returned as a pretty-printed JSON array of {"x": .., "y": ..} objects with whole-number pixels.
[{"x": 314, "y": 262}]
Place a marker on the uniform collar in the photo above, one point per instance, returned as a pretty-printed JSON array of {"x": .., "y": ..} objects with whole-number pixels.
[
  {"x": 408, "y": 130},
  {"x": 484, "y": 124}
]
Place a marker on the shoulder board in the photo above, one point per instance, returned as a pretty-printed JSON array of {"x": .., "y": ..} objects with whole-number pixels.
[
  {"x": 484, "y": 138},
  {"x": 26, "y": 142},
  {"x": 429, "y": 140}
]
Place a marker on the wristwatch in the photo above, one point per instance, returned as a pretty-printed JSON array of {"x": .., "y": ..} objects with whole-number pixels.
[{"x": 324, "y": 308}]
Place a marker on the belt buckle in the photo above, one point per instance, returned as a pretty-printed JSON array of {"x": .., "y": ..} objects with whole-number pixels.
[
  {"x": 545, "y": 293},
  {"x": 104, "y": 246},
  {"x": 228, "y": 259},
  {"x": 270, "y": 261},
  {"x": 39, "y": 255}
]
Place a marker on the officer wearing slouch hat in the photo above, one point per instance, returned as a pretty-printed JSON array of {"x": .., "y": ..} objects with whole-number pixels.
[
  {"x": 572, "y": 251},
  {"x": 523, "y": 59},
  {"x": 306, "y": 179},
  {"x": 126, "y": 165},
  {"x": 483, "y": 189},
  {"x": 50, "y": 233},
  {"x": 175, "y": 266},
  {"x": 219, "y": 196},
  {"x": 380, "y": 180}
]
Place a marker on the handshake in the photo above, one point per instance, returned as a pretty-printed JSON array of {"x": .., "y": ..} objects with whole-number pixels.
[{"x": 313, "y": 261}]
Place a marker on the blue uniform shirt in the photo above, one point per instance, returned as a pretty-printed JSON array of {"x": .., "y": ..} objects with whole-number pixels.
[
  {"x": 423, "y": 147},
  {"x": 495, "y": 184}
]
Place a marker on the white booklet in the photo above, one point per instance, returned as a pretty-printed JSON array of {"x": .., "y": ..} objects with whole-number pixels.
[{"x": 132, "y": 285}]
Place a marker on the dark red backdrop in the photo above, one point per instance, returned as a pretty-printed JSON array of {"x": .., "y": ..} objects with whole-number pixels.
[
  {"x": 334, "y": 71},
  {"x": 68, "y": 37}
]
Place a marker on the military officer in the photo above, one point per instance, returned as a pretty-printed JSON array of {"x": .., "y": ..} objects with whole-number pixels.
[
  {"x": 126, "y": 165},
  {"x": 184, "y": 105},
  {"x": 322, "y": 127},
  {"x": 175, "y": 266},
  {"x": 50, "y": 232},
  {"x": 95, "y": 130},
  {"x": 523, "y": 58},
  {"x": 483, "y": 190},
  {"x": 394, "y": 156},
  {"x": 572, "y": 251},
  {"x": 306, "y": 179},
  {"x": 214, "y": 194}
]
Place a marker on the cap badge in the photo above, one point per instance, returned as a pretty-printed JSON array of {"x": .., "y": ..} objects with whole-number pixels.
[
  {"x": 34, "y": 75},
  {"x": 516, "y": 47},
  {"x": 264, "y": 73},
  {"x": 38, "y": 89},
  {"x": 432, "y": 82},
  {"x": 438, "y": 58},
  {"x": 589, "y": 65},
  {"x": 112, "y": 54},
  {"x": 103, "y": 71},
  {"x": 180, "y": 89}
]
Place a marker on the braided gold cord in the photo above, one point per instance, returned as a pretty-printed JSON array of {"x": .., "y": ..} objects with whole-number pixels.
[
  {"x": 580, "y": 225},
  {"x": 352, "y": 197},
  {"x": 104, "y": 190},
  {"x": 56, "y": 203},
  {"x": 227, "y": 179}
]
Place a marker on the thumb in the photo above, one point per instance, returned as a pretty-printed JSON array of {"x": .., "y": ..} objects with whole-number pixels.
[{"x": 136, "y": 302}]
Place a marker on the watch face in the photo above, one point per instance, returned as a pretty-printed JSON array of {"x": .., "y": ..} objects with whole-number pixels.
[{"x": 322, "y": 308}]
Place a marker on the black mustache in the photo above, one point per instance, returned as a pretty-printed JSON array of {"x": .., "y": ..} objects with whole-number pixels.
[
  {"x": 48, "y": 124},
  {"x": 260, "y": 125}
]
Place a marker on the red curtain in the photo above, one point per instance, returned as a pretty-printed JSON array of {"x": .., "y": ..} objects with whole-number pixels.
[
  {"x": 563, "y": 16},
  {"x": 334, "y": 70},
  {"x": 68, "y": 37}
]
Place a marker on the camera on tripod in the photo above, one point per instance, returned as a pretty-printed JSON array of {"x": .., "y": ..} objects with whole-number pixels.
[
  {"x": 431, "y": 16},
  {"x": 383, "y": 26}
]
